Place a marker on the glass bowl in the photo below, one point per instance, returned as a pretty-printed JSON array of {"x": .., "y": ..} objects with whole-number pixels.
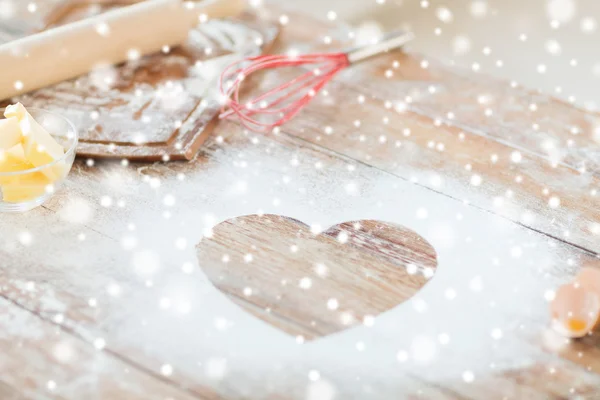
[{"x": 24, "y": 190}]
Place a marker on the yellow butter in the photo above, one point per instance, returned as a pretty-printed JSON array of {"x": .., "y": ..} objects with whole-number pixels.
[
  {"x": 17, "y": 111},
  {"x": 13, "y": 160},
  {"x": 10, "y": 133},
  {"x": 39, "y": 146},
  {"x": 24, "y": 188},
  {"x": 21, "y": 187}
]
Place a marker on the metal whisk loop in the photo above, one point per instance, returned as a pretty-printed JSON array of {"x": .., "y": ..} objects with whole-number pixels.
[{"x": 282, "y": 103}]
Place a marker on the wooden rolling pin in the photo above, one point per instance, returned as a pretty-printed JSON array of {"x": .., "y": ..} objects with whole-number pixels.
[{"x": 68, "y": 51}]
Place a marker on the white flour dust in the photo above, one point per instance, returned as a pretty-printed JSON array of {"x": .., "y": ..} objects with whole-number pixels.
[{"x": 487, "y": 295}]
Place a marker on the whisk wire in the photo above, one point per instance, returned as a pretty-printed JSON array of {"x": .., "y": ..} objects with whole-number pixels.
[
  {"x": 297, "y": 92},
  {"x": 282, "y": 103},
  {"x": 288, "y": 112},
  {"x": 304, "y": 81}
]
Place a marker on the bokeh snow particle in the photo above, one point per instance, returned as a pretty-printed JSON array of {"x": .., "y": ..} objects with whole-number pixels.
[
  {"x": 588, "y": 25},
  {"x": 25, "y": 238},
  {"x": 63, "y": 352},
  {"x": 106, "y": 201},
  {"x": 553, "y": 47},
  {"x": 549, "y": 295},
  {"x": 478, "y": 8},
  {"x": 516, "y": 157},
  {"x": 169, "y": 200},
  {"x": 367, "y": 33},
  {"x": 444, "y": 14},
  {"x": 103, "y": 77},
  {"x": 496, "y": 334},
  {"x": 461, "y": 44},
  {"x": 166, "y": 370},
  {"x": 561, "y": 10},
  {"x": 76, "y": 211},
  {"x": 99, "y": 343},
  {"x": 402, "y": 356},
  {"x": 103, "y": 29},
  {"x": 332, "y": 304},
  {"x": 554, "y": 202},
  {"x": 468, "y": 376},
  {"x": 7, "y": 9},
  {"x": 305, "y": 283}
]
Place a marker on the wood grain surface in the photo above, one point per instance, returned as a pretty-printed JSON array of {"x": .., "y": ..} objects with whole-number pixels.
[
  {"x": 369, "y": 266},
  {"x": 104, "y": 294},
  {"x": 59, "y": 365}
]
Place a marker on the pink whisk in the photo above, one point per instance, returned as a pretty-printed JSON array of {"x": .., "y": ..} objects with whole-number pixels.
[{"x": 282, "y": 103}]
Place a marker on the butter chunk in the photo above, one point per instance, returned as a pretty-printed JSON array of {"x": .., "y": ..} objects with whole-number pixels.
[
  {"x": 10, "y": 133},
  {"x": 39, "y": 146},
  {"x": 13, "y": 160},
  {"x": 17, "y": 111},
  {"x": 25, "y": 145},
  {"x": 24, "y": 187},
  {"x": 21, "y": 187}
]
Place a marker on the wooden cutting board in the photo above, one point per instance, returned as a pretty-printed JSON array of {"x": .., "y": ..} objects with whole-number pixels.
[{"x": 159, "y": 107}]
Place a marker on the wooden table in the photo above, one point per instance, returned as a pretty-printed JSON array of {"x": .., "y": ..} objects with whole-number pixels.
[{"x": 127, "y": 284}]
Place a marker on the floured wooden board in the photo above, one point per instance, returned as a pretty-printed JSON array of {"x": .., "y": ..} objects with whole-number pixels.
[
  {"x": 119, "y": 287},
  {"x": 160, "y": 107}
]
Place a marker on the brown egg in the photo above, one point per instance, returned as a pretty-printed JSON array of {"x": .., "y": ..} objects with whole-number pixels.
[{"x": 576, "y": 309}]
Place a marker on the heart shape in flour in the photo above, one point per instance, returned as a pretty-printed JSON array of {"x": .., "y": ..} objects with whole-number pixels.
[{"x": 313, "y": 285}]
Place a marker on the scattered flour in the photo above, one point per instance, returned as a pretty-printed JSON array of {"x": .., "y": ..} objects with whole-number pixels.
[{"x": 487, "y": 294}]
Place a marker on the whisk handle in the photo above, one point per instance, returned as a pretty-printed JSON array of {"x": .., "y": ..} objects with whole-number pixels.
[{"x": 391, "y": 41}]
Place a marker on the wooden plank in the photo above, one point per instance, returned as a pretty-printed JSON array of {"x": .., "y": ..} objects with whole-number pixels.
[
  {"x": 556, "y": 200},
  {"x": 426, "y": 125},
  {"x": 40, "y": 361},
  {"x": 506, "y": 112}
]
